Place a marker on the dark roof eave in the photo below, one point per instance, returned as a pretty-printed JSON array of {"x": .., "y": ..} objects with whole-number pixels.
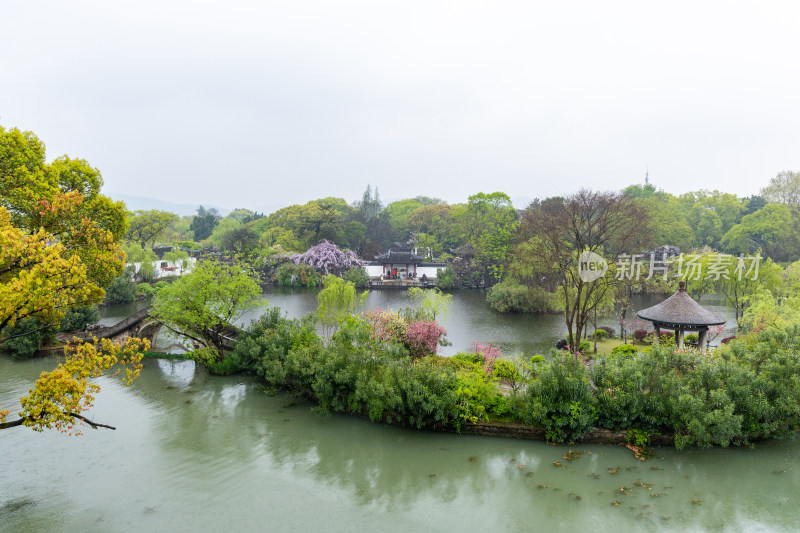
[{"x": 673, "y": 325}]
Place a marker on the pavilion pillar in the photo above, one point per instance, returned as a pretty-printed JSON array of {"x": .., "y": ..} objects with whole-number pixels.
[
  {"x": 701, "y": 341},
  {"x": 657, "y": 334},
  {"x": 679, "y": 333}
]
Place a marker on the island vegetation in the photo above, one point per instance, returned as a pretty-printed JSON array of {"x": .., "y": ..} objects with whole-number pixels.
[{"x": 65, "y": 248}]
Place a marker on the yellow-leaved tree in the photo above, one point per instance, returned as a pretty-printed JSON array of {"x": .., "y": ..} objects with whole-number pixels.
[
  {"x": 59, "y": 397},
  {"x": 58, "y": 249}
]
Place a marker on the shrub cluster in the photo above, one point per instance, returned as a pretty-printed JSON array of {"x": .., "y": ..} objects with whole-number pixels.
[
  {"x": 743, "y": 392},
  {"x": 609, "y": 331},
  {"x": 359, "y": 371},
  {"x": 627, "y": 349},
  {"x": 513, "y": 297},
  {"x": 738, "y": 395},
  {"x": 25, "y": 338},
  {"x": 358, "y": 275},
  {"x": 78, "y": 318},
  {"x": 122, "y": 289},
  {"x": 446, "y": 278},
  {"x": 291, "y": 275}
]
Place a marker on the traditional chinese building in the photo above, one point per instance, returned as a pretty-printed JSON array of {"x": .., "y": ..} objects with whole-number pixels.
[
  {"x": 402, "y": 262},
  {"x": 681, "y": 313},
  {"x": 399, "y": 261}
]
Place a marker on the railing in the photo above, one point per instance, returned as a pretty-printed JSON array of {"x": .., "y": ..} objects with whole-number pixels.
[{"x": 401, "y": 283}]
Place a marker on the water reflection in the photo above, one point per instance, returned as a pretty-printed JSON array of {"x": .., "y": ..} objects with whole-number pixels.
[
  {"x": 197, "y": 452},
  {"x": 471, "y": 319}
]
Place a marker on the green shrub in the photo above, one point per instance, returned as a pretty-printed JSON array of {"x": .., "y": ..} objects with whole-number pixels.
[
  {"x": 446, "y": 278},
  {"x": 121, "y": 290},
  {"x": 585, "y": 346},
  {"x": 357, "y": 275},
  {"x": 666, "y": 339},
  {"x": 600, "y": 334},
  {"x": 291, "y": 275},
  {"x": 215, "y": 363},
  {"x": 508, "y": 297},
  {"x": 146, "y": 289},
  {"x": 189, "y": 245},
  {"x": 507, "y": 372},
  {"x": 226, "y": 367},
  {"x": 25, "y": 338},
  {"x": 609, "y": 331},
  {"x": 469, "y": 357},
  {"x": 78, "y": 318},
  {"x": 560, "y": 399},
  {"x": 627, "y": 349},
  {"x": 691, "y": 338},
  {"x": 160, "y": 285},
  {"x": 308, "y": 277},
  {"x": 638, "y": 437},
  {"x": 512, "y": 297},
  {"x": 622, "y": 383},
  {"x": 477, "y": 397},
  {"x": 264, "y": 346}
]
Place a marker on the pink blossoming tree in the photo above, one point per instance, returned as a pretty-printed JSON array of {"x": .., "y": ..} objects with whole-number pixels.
[{"x": 490, "y": 352}]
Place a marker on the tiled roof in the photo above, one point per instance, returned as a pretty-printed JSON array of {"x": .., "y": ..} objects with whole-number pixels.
[{"x": 399, "y": 257}]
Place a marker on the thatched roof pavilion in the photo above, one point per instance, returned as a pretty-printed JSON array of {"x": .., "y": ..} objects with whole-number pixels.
[{"x": 681, "y": 313}]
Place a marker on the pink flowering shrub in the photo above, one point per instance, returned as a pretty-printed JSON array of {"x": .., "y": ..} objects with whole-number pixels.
[
  {"x": 388, "y": 326},
  {"x": 422, "y": 338},
  {"x": 489, "y": 352}
]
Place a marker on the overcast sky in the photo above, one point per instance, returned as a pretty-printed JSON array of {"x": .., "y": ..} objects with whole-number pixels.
[{"x": 263, "y": 104}]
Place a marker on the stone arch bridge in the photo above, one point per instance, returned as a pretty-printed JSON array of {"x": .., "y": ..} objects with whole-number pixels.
[{"x": 141, "y": 325}]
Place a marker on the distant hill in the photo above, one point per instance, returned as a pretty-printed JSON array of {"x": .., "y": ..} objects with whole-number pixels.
[{"x": 136, "y": 203}]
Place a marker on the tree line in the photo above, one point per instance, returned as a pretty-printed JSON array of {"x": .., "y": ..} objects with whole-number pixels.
[{"x": 64, "y": 245}]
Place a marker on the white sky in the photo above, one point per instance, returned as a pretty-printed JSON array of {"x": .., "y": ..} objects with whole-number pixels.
[{"x": 264, "y": 104}]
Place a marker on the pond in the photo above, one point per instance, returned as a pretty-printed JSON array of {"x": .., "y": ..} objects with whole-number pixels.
[
  {"x": 471, "y": 319},
  {"x": 195, "y": 452}
]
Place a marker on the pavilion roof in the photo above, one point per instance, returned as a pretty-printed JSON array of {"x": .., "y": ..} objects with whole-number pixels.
[
  {"x": 680, "y": 310},
  {"x": 399, "y": 257}
]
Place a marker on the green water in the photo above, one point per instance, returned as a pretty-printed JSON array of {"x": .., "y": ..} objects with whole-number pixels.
[
  {"x": 471, "y": 319},
  {"x": 194, "y": 452}
]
